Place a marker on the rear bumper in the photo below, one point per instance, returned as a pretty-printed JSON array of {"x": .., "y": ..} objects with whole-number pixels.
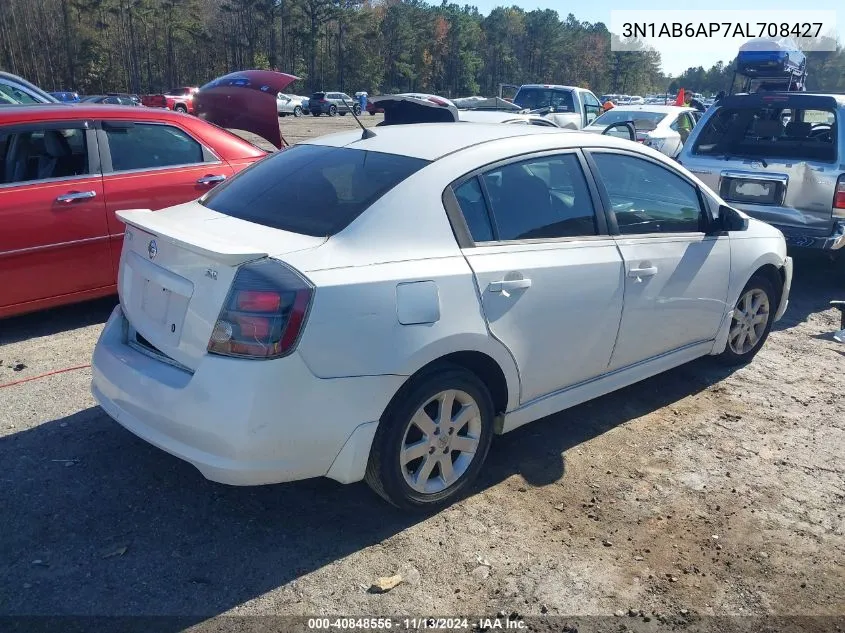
[
  {"x": 798, "y": 238},
  {"x": 239, "y": 422}
]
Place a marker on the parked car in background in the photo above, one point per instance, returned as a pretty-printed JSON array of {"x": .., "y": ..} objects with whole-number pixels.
[
  {"x": 372, "y": 108},
  {"x": 66, "y": 97},
  {"x": 113, "y": 98},
  {"x": 569, "y": 107},
  {"x": 387, "y": 330},
  {"x": 332, "y": 104},
  {"x": 65, "y": 170},
  {"x": 16, "y": 90},
  {"x": 664, "y": 128},
  {"x": 765, "y": 57},
  {"x": 290, "y": 104},
  {"x": 177, "y": 99},
  {"x": 779, "y": 157}
]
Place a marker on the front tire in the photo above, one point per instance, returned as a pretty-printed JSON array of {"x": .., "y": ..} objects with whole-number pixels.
[
  {"x": 297, "y": 111},
  {"x": 181, "y": 108},
  {"x": 432, "y": 440},
  {"x": 333, "y": 111},
  {"x": 752, "y": 321}
]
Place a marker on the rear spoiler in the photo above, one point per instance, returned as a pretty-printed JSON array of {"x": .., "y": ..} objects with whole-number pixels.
[{"x": 187, "y": 236}]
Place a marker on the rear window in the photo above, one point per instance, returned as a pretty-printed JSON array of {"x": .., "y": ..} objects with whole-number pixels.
[
  {"x": 311, "y": 189},
  {"x": 775, "y": 131},
  {"x": 318, "y": 95},
  {"x": 643, "y": 120}
]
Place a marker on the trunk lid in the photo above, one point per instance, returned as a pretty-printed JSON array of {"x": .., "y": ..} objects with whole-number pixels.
[{"x": 176, "y": 268}]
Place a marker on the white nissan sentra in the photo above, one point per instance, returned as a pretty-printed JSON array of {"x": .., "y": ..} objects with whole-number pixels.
[{"x": 379, "y": 307}]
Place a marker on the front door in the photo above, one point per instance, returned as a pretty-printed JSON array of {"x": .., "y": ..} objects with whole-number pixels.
[
  {"x": 153, "y": 166},
  {"x": 53, "y": 230},
  {"x": 676, "y": 275},
  {"x": 549, "y": 277}
]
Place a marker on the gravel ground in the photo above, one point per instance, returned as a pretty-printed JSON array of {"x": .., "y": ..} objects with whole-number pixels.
[{"x": 697, "y": 492}]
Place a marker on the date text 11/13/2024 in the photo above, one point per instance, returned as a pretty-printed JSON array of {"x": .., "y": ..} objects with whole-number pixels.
[{"x": 417, "y": 624}]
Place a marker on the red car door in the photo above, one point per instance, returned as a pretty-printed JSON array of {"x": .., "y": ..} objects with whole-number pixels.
[
  {"x": 152, "y": 166},
  {"x": 54, "y": 241}
]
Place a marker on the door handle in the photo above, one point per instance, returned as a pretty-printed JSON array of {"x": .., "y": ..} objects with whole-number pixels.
[
  {"x": 76, "y": 195},
  {"x": 211, "y": 180},
  {"x": 505, "y": 285},
  {"x": 639, "y": 273}
]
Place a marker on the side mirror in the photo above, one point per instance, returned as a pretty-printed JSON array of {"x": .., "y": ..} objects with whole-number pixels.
[
  {"x": 630, "y": 130},
  {"x": 730, "y": 220}
]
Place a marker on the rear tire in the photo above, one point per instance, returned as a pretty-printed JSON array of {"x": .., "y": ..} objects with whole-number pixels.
[
  {"x": 181, "y": 108},
  {"x": 424, "y": 457},
  {"x": 752, "y": 321}
]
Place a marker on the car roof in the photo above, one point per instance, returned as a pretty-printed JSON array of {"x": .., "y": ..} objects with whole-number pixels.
[
  {"x": 769, "y": 96},
  {"x": 430, "y": 141},
  {"x": 550, "y": 86},
  {"x": 651, "y": 107},
  {"x": 81, "y": 111}
]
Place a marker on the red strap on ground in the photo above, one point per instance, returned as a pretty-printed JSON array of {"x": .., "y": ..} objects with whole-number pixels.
[{"x": 49, "y": 373}]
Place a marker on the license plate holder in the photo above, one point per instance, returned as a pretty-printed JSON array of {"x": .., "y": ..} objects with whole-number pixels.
[
  {"x": 751, "y": 191},
  {"x": 155, "y": 302}
]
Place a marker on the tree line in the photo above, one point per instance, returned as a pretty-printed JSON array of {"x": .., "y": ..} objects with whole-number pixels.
[{"x": 381, "y": 46}]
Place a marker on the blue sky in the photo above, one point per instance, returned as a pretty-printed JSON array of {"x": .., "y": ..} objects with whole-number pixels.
[{"x": 599, "y": 11}]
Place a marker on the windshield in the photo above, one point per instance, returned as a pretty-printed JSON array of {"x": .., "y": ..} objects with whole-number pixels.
[
  {"x": 643, "y": 119},
  {"x": 536, "y": 98},
  {"x": 311, "y": 189},
  {"x": 773, "y": 131}
]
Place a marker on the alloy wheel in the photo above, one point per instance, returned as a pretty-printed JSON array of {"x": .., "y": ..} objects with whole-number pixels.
[
  {"x": 749, "y": 321},
  {"x": 440, "y": 441}
]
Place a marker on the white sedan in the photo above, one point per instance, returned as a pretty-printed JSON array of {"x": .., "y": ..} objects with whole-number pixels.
[
  {"x": 665, "y": 128},
  {"x": 378, "y": 306}
]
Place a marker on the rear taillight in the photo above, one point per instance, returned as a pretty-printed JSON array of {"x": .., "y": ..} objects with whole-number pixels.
[
  {"x": 264, "y": 313},
  {"x": 839, "y": 198}
]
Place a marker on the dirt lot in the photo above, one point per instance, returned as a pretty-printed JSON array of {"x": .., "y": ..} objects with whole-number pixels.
[{"x": 697, "y": 492}]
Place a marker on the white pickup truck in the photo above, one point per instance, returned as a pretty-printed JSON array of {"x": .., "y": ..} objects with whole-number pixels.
[{"x": 569, "y": 107}]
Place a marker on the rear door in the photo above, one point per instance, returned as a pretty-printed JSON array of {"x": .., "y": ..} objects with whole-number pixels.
[
  {"x": 153, "y": 166},
  {"x": 549, "y": 276},
  {"x": 54, "y": 235},
  {"x": 676, "y": 274}
]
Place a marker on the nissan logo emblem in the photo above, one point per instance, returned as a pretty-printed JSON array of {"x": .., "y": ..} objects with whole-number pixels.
[{"x": 152, "y": 249}]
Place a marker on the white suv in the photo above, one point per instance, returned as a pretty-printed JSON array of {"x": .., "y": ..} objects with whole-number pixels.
[{"x": 378, "y": 307}]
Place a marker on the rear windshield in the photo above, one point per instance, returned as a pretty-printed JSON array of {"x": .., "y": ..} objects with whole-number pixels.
[
  {"x": 775, "y": 131},
  {"x": 642, "y": 120},
  {"x": 311, "y": 189},
  {"x": 536, "y": 98},
  {"x": 318, "y": 95}
]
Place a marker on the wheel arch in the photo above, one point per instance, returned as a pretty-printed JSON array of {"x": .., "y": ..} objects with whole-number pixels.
[{"x": 772, "y": 269}]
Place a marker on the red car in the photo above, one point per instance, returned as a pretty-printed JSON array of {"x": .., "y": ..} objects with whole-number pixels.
[
  {"x": 64, "y": 171},
  {"x": 178, "y": 99}
]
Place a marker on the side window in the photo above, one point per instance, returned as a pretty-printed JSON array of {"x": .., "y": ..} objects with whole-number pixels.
[
  {"x": 145, "y": 146},
  {"x": 474, "y": 210},
  {"x": 592, "y": 107},
  {"x": 541, "y": 198},
  {"x": 647, "y": 198},
  {"x": 40, "y": 154}
]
